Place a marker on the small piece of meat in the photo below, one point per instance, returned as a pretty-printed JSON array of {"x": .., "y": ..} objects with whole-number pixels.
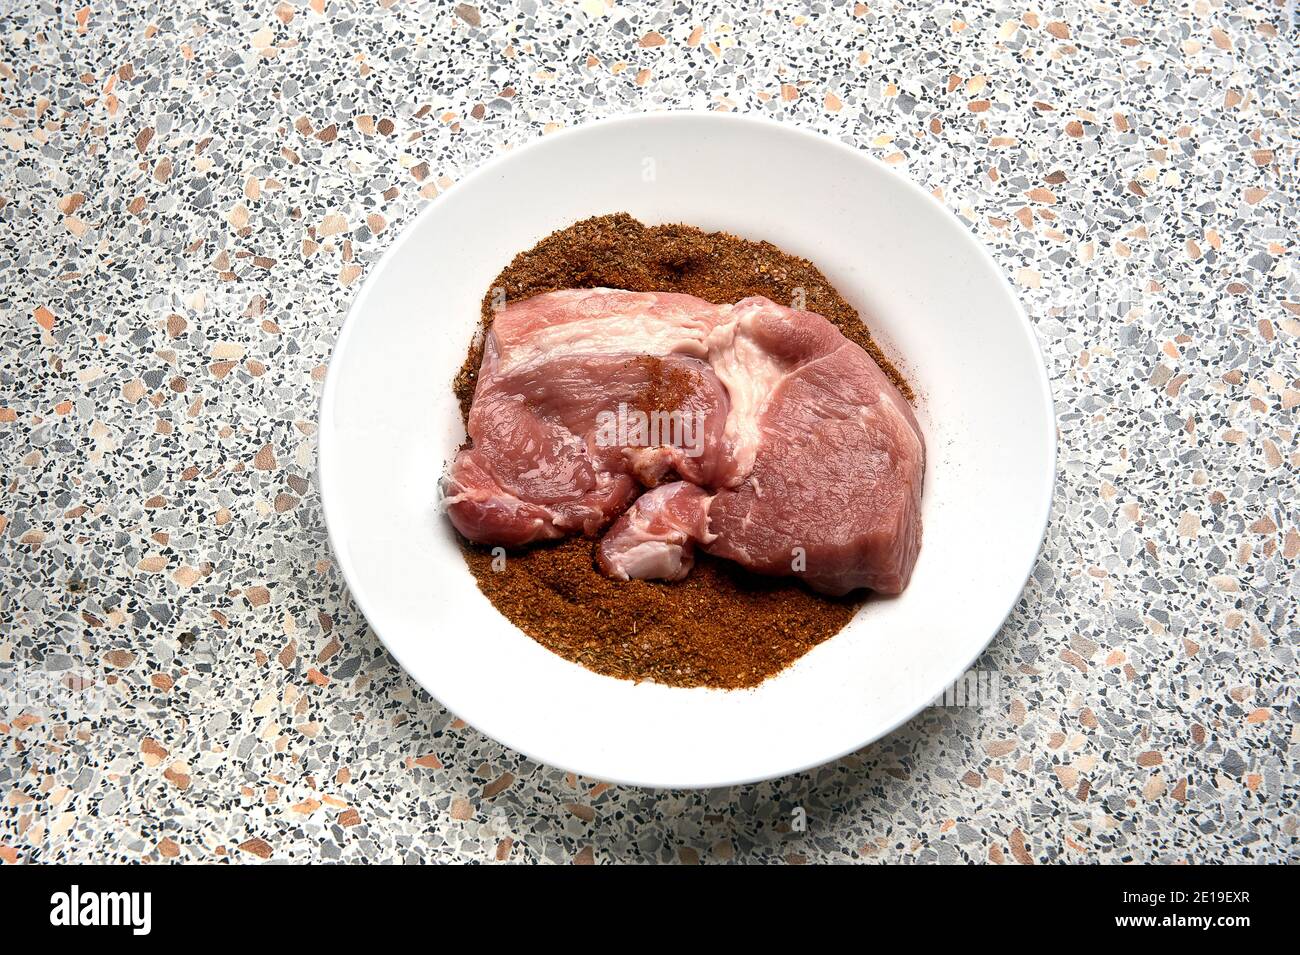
[{"x": 655, "y": 539}]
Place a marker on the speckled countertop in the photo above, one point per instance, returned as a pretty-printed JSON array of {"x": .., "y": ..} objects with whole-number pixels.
[{"x": 190, "y": 195}]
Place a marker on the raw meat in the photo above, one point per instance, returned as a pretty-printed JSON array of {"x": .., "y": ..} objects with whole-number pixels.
[
  {"x": 537, "y": 467},
  {"x": 804, "y": 458},
  {"x": 833, "y": 493},
  {"x": 655, "y": 539}
]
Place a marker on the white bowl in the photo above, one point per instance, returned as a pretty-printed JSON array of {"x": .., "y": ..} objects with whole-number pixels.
[{"x": 934, "y": 299}]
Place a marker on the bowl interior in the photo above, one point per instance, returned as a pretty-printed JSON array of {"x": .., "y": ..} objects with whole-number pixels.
[{"x": 933, "y": 298}]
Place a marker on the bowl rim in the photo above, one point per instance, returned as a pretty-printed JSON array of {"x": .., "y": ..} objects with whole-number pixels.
[{"x": 325, "y": 450}]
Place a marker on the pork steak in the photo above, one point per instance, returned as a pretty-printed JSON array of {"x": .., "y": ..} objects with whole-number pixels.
[{"x": 792, "y": 454}]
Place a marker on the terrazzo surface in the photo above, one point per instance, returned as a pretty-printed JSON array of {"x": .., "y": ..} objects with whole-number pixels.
[{"x": 191, "y": 195}]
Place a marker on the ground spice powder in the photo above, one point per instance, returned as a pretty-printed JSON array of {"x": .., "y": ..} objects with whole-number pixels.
[
  {"x": 722, "y": 626},
  {"x": 665, "y": 389}
]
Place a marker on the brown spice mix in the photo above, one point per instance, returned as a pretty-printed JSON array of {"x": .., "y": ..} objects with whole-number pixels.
[{"x": 722, "y": 626}]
